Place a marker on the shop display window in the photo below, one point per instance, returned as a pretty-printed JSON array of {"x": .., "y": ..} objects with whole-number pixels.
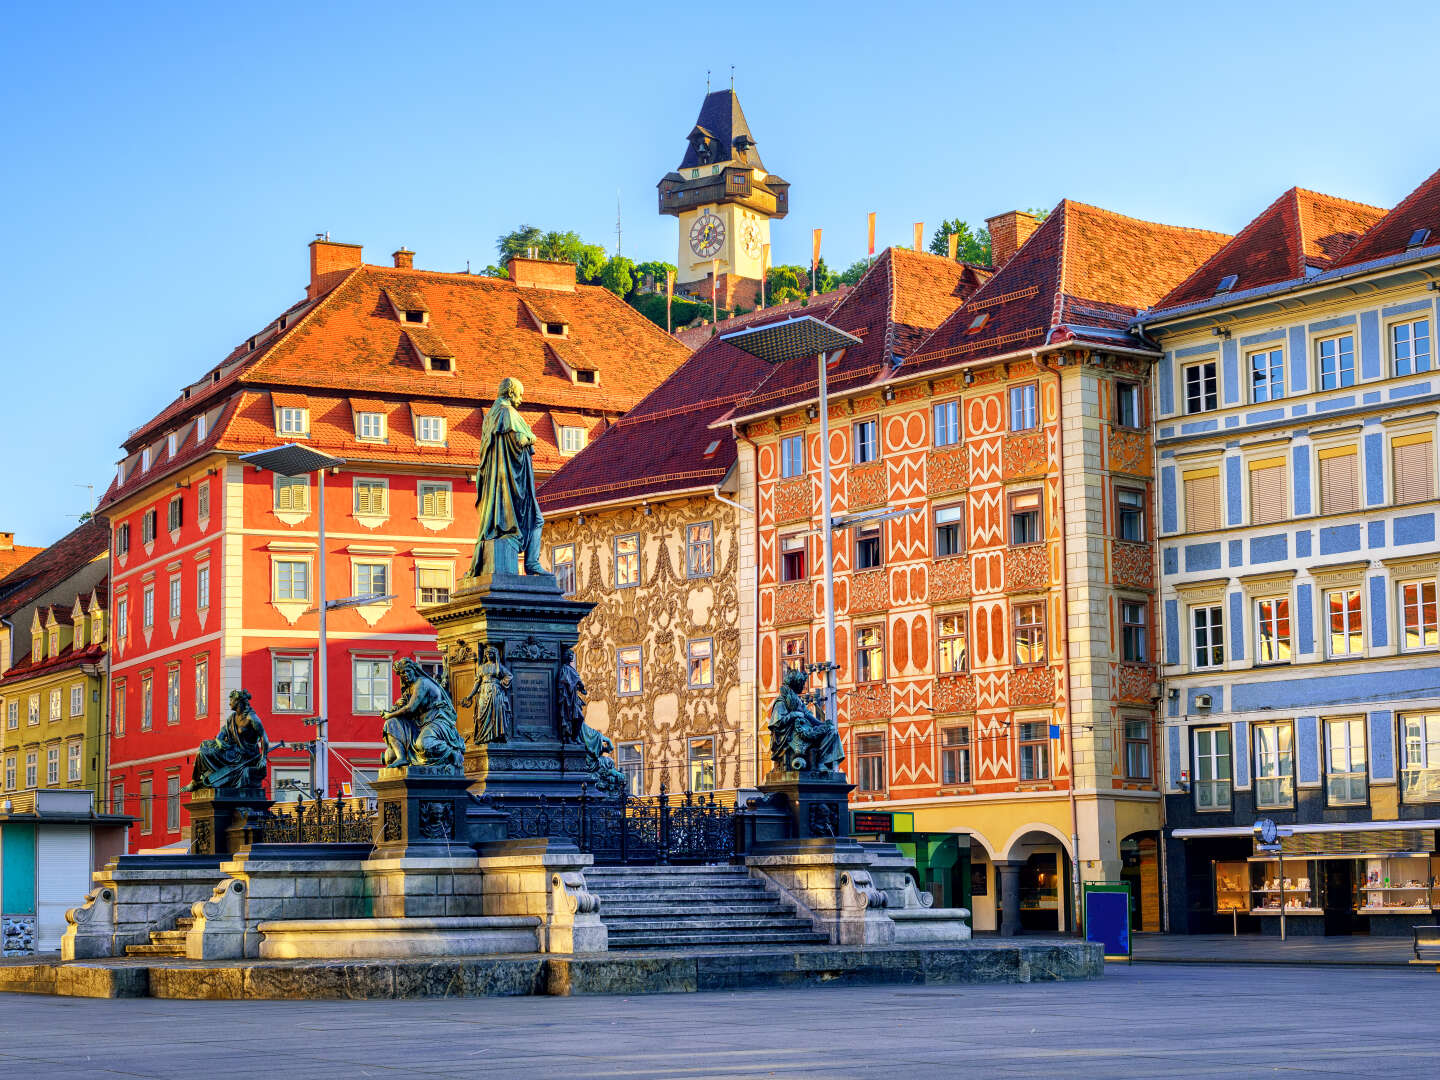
[
  {"x": 1295, "y": 883},
  {"x": 1232, "y": 887},
  {"x": 1396, "y": 883}
]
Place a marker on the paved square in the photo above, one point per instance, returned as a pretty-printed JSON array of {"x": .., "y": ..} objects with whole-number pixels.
[{"x": 1153, "y": 1020}]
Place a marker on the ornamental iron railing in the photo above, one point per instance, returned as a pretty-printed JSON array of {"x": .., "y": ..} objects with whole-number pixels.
[{"x": 319, "y": 821}]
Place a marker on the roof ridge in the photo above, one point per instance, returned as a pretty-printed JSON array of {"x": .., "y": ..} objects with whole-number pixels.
[
  {"x": 1235, "y": 238},
  {"x": 1338, "y": 199},
  {"x": 1140, "y": 221},
  {"x": 1057, "y": 306}
]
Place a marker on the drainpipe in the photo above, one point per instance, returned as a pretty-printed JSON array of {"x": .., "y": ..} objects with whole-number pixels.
[
  {"x": 1044, "y": 363},
  {"x": 755, "y": 599}
]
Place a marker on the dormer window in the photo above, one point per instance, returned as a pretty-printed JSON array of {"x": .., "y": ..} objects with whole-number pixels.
[
  {"x": 370, "y": 426},
  {"x": 556, "y": 329},
  {"x": 145, "y": 460},
  {"x": 54, "y": 643},
  {"x": 440, "y": 363},
  {"x": 572, "y": 440},
  {"x": 200, "y": 428},
  {"x": 430, "y": 429},
  {"x": 293, "y": 421},
  {"x": 412, "y": 316},
  {"x": 591, "y": 377},
  {"x": 170, "y": 444},
  {"x": 430, "y": 347}
]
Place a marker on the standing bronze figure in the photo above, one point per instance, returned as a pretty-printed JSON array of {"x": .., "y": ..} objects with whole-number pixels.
[
  {"x": 420, "y": 727},
  {"x": 235, "y": 758},
  {"x": 505, "y": 487},
  {"x": 492, "y": 714},
  {"x": 572, "y": 697}
]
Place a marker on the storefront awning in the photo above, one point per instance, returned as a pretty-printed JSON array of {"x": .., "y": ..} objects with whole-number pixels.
[{"x": 1310, "y": 827}]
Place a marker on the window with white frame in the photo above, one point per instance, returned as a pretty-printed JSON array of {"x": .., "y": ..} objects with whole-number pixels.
[
  {"x": 202, "y": 586},
  {"x": 1028, "y": 623},
  {"x": 793, "y": 653},
  {"x": 1410, "y": 346},
  {"x": 792, "y": 558},
  {"x": 1344, "y": 617},
  {"x": 868, "y": 551},
  {"x": 175, "y": 597},
  {"x": 1207, "y": 629},
  {"x": 955, "y": 755},
  {"x": 292, "y": 494},
  {"x": 562, "y": 561},
  {"x": 12, "y": 714},
  {"x": 949, "y": 530},
  {"x": 700, "y": 549},
  {"x": 172, "y": 694},
  {"x": 147, "y": 607},
  {"x": 1129, "y": 405},
  {"x": 430, "y": 429},
  {"x": 55, "y": 704},
  {"x": 293, "y": 421},
  {"x": 630, "y": 760},
  {"x": 147, "y": 702},
  {"x": 371, "y": 679},
  {"x": 702, "y": 764},
  {"x": 74, "y": 761},
  {"x": 434, "y": 497},
  {"x": 1274, "y": 766},
  {"x": 1130, "y": 515},
  {"x": 1201, "y": 387},
  {"x": 292, "y": 678},
  {"x": 792, "y": 455},
  {"x": 1024, "y": 414},
  {"x": 370, "y": 426},
  {"x": 866, "y": 441},
  {"x": 1033, "y": 742},
  {"x": 869, "y": 654},
  {"x": 292, "y": 579},
  {"x": 1137, "y": 749},
  {"x": 628, "y": 679},
  {"x": 32, "y": 778},
  {"x": 1345, "y": 762},
  {"x": 1027, "y": 518},
  {"x": 1212, "y": 769},
  {"x": 52, "y": 766},
  {"x": 77, "y": 699},
  {"x": 952, "y": 642},
  {"x": 172, "y": 804},
  {"x": 202, "y": 500},
  {"x": 118, "y": 713},
  {"x": 372, "y": 578},
  {"x": 1336, "y": 359},
  {"x": 1420, "y": 757},
  {"x": 202, "y": 685},
  {"x": 1272, "y": 630},
  {"x": 10, "y": 778},
  {"x": 627, "y": 561},
  {"x": 947, "y": 423},
  {"x": 372, "y": 497},
  {"x": 700, "y": 663},
  {"x": 1267, "y": 375},
  {"x": 33, "y": 716},
  {"x": 572, "y": 439},
  {"x": 1418, "y": 622},
  {"x": 434, "y": 584}
]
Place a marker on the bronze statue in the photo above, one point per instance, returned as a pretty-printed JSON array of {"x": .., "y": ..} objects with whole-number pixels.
[
  {"x": 505, "y": 486},
  {"x": 609, "y": 780},
  {"x": 420, "y": 727},
  {"x": 800, "y": 738},
  {"x": 235, "y": 758},
  {"x": 572, "y": 697},
  {"x": 492, "y": 715}
]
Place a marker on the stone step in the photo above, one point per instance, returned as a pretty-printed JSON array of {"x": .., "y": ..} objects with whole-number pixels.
[
  {"x": 155, "y": 950},
  {"x": 184, "y": 922},
  {"x": 748, "y": 936},
  {"x": 685, "y": 923},
  {"x": 168, "y": 937},
  {"x": 754, "y": 908},
  {"x": 678, "y": 893},
  {"x": 675, "y": 881},
  {"x": 676, "y": 868}
]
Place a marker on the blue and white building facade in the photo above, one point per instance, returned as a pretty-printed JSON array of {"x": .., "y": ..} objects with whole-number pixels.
[{"x": 1296, "y": 429}]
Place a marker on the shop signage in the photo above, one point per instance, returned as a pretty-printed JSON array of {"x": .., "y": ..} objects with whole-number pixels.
[{"x": 881, "y": 821}]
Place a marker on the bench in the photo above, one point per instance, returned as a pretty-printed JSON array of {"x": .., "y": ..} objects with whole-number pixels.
[{"x": 1427, "y": 945}]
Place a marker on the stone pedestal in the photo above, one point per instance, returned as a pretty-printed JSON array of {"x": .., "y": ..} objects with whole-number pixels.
[
  {"x": 422, "y": 813},
  {"x": 817, "y": 803},
  {"x": 212, "y": 813},
  {"x": 544, "y": 879},
  {"x": 829, "y": 881}
]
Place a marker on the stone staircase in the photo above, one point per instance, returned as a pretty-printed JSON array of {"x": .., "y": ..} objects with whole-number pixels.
[
  {"x": 646, "y": 907},
  {"x": 165, "y": 942}
]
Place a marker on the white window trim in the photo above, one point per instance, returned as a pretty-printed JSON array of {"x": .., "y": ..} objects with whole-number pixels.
[
  {"x": 302, "y": 432},
  {"x": 444, "y": 428},
  {"x": 384, "y": 427},
  {"x": 276, "y": 655},
  {"x": 1387, "y": 342},
  {"x": 371, "y": 613},
  {"x": 447, "y": 565},
  {"x": 434, "y": 522},
  {"x": 1184, "y": 401},
  {"x": 289, "y": 517},
  {"x": 369, "y": 519},
  {"x": 291, "y": 609}
]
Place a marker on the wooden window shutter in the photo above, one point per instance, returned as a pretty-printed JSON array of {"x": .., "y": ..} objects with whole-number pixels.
[
  {"x": 442, "y": 502},
  {"x": 1413, "y": 460},
  {"x": 1339, "y": 481},
  {"x": 364, "y": 504},
  {"x": 1202, "y": 500},
  {"x": 1269, "y": 492}
]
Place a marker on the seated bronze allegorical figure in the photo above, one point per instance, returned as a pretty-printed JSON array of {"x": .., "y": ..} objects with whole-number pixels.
[
  {"x": 420, "y": 727},
  {"x": 235, "y": 758},
  {"x": 801, "y": 740}
]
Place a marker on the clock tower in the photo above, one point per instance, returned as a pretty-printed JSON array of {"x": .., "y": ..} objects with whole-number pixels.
[{"x": 724, "y": 200}]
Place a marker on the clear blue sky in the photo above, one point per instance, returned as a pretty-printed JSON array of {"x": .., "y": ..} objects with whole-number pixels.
[{"x": 166, "y": 165}]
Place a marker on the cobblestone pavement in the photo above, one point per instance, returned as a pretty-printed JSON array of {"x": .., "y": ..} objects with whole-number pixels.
[
  {"x": 1150, "y": 1020},
  {"x": 1265, "y": 949}
]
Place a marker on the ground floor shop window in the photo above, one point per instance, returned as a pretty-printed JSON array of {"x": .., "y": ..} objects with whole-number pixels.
[
  {"x": 1040, "y": 892},
  {"x": 289, "y": 782}
]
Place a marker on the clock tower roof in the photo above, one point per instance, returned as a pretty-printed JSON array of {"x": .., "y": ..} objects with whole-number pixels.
[{"x": 721, "y": 134}]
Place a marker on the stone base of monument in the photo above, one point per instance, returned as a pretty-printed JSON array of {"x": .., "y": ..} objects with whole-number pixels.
[
  {"x": 214, "y": 810},
  {"x": 916, "y": 921},
  {"x": 545, "y": 878},
  {"x": 829, "y": 881},
  {"x": 422, "y": 813},
  {"x": 816, "y": 803},
  {"x": 344, "y": 939}
]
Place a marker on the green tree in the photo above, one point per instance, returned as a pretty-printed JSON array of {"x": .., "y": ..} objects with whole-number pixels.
[
  {"x": 973, "y": 246},
  {"x": 784, "y": 283},
  {"x": 518, "y": 242},
  {"x": 589, "y": 262},
  {"x": 852, "y": 274},
  {"x": 618, "y": 276},
  {"x": 657, "y": 271}
]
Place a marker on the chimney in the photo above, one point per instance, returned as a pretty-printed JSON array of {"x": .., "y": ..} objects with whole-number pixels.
[
  {"x": 404, "y": 259},
  {"x": 328, "y": 259},
  {"x": 1008, "y": 232},
  {"x": 542, "y": 274},
  {"x": 7, "y": 541}
]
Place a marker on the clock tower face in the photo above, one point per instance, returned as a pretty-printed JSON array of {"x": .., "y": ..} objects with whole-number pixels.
[
  {"x": 750, "y": 237},
  {"x": 707, "y": 235}
]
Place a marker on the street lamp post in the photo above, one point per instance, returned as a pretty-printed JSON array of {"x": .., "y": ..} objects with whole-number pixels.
[
  {"x": 296, "y": 460},
  {"x": 788, "y": 340}
]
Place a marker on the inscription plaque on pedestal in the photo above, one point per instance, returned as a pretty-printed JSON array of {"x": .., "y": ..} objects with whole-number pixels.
[{"x": 533, "y": 694}]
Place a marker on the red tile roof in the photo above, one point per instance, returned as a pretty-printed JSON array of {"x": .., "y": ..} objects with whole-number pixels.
[
  {"x": 1300, "y": 233},
  {"x": 1391, "y": 234},
  {"x": 81, "y": 546},
  {"x": 1080, "y": 276},
  {"x": 698, "y": 334},
  {"x": 64, "y": 660},
  {"x": 350, "y": 343},
  {"x": 17, "y": 556},
  {"x": 659, "y": 446}
]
